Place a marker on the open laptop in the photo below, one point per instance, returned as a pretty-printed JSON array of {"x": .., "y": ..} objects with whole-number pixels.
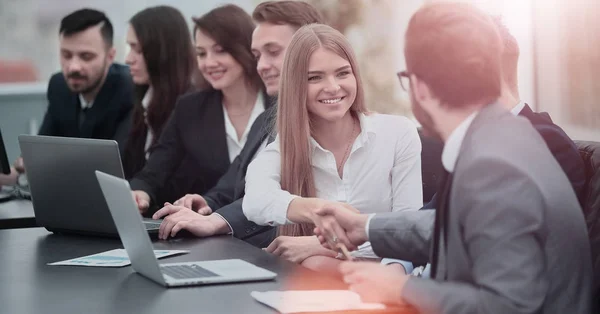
[
  {"x": 64, "y": 190},
  {"x": 139, "y": 248}
]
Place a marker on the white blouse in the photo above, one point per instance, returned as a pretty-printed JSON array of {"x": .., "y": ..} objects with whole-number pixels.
[
  {"x": 150, "y": 132},
  {"x": 381, "y": 174},
  {"x": 235, "y": 145}
]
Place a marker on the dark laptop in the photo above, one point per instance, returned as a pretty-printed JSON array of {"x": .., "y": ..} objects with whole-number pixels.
[
  {"x": 4, "y": 164},
  {"x": 4, "y": 169},
  {"x": 65, "y": 192}
]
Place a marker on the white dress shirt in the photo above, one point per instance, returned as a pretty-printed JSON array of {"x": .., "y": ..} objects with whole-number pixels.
[
  {"x": 518, "y": 108},
  {"x": 454, "y": 142},
  {"x": 382, "y": 173},
  {"x": 84, "y": 104},
  {"x": 235, "y": 145},
  {"x": 150, "y": 132}
]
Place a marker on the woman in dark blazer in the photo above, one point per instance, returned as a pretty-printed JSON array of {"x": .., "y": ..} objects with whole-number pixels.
[
  {"x": 162, "y": 63},
  {"x": 207, "y": 128}
]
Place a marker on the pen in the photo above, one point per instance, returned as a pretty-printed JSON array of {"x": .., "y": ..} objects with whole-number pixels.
[{"x": 345, "y": 251}]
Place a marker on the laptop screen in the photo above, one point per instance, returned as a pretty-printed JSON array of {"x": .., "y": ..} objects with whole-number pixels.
[{"x": 4, "y": 165}]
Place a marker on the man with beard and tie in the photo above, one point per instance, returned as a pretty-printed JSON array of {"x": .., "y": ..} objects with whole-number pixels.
[
  {"x": 92, "y": 96},
  {"x": 508, "y": 234}
]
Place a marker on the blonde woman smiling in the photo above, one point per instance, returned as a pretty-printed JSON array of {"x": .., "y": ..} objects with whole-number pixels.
[{"x": 328, "y": 148}]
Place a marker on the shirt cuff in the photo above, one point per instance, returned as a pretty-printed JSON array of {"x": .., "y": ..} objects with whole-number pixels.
[
  {"x": 227, "y": 222},
  {"x": 367, "y": 225},
  {"x": 408, "y": 266},
  {"x": 280, "y": 216}
]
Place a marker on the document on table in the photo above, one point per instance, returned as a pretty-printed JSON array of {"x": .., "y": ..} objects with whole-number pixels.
[
  {"x": 112, "y": 258},
  {"x": 313, "y": 301}
]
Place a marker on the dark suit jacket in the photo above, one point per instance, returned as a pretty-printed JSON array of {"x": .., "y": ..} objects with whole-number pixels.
[
  {"x": 227, "y": 196},
  {"x": 108, "y": 117},
  {"x": 191, "y": 153},
  {"x": 561, "y": 147},
  {"x": 134, "y": 158}
]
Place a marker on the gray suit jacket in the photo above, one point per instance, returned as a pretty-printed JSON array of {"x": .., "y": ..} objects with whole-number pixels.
[{"x": 517, "y": 240}]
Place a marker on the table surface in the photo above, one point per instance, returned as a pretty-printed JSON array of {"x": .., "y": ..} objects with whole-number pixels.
[
  {"x": 29, "y": 285},
  {"x": 17, "y": 213}
]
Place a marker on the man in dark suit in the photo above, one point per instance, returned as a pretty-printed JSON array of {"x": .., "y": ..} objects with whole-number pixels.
[
  {"x": 91, "y": 97},
  {"x": 219, "y": 211},
  {"x": 508, "y": 235},
  {"x": 559, "y": 143}
]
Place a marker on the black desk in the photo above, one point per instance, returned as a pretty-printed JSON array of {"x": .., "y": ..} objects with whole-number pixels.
[
  {"x": 28, "y": 285},
  {"x": 17, "y": 214}
]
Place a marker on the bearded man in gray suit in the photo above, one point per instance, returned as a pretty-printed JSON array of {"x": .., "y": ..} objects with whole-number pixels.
[{"x": 508, "y": 235}]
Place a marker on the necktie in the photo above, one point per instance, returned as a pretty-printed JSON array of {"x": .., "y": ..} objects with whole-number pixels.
[
  {"x": 82, "y": 113},
  {"x": 441, "y": 220}
]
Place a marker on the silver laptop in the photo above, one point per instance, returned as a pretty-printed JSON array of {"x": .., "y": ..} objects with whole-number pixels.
[
  {"x": 65, "y": 193},
  {"x": 139, "y": 248}
]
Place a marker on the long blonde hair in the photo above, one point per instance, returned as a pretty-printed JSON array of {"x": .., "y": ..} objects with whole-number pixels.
[{"x": 293, "y": 119}]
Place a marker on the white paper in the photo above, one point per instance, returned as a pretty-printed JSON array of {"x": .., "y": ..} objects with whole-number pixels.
[
  {"x": 112, "y": 258},
  {"x": 298, "y": 301}
]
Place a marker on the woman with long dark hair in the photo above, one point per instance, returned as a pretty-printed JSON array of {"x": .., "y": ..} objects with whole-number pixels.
[
  {"x": 208, "y": 128},
  {"x": 162, "y": 66}
]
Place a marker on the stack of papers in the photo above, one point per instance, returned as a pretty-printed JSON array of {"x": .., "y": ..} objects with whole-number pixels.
[
  {"x": 112, "y": 258},
  {"x": 314, "y": 301}
]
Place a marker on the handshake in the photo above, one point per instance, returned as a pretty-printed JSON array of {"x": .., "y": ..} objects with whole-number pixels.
[{"x": 339, "y": 223}]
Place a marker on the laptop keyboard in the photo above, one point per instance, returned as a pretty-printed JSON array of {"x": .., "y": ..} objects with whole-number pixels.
[
  {"x": 187, "y": 271},
  {"x": 151, "y": 225}
]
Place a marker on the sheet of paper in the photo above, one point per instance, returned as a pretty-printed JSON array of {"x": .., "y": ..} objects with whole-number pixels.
[
  {"x": 112, "y": 258},
  {"x": 297, "y": 301}
]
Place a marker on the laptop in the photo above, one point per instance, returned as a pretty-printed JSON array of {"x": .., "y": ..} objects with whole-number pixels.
[
  {"x": 64, "y": 190},
  {"x": 140, "y": 251}
]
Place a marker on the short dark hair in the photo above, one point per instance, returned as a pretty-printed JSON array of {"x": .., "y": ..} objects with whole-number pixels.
[
  {"x": 455, "y": 48},
  {"x": 231, "y": 27},
  {"x": 295, "y": 13},
  {"x": 510, "y": 53},
  {"x": 83, "y": 19}
]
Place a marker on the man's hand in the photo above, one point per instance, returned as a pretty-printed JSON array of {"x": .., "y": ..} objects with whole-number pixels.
[
  {"x": 340, "y": 223},
  {"x": 19, "y": 165},
  {"x": 142, "y": 199},
  {"x": 179, "y": 218},
  {"x": 374, "y": 282},
  {"x": 297, "y": 249},
  {"x": 194, "y": 202}
]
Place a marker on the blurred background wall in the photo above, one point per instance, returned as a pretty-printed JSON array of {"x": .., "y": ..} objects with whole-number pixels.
[{"x": 558, "y": 69}]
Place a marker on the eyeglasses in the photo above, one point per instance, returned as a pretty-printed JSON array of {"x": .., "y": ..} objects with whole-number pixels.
[{"x": 404, "y": 77}]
